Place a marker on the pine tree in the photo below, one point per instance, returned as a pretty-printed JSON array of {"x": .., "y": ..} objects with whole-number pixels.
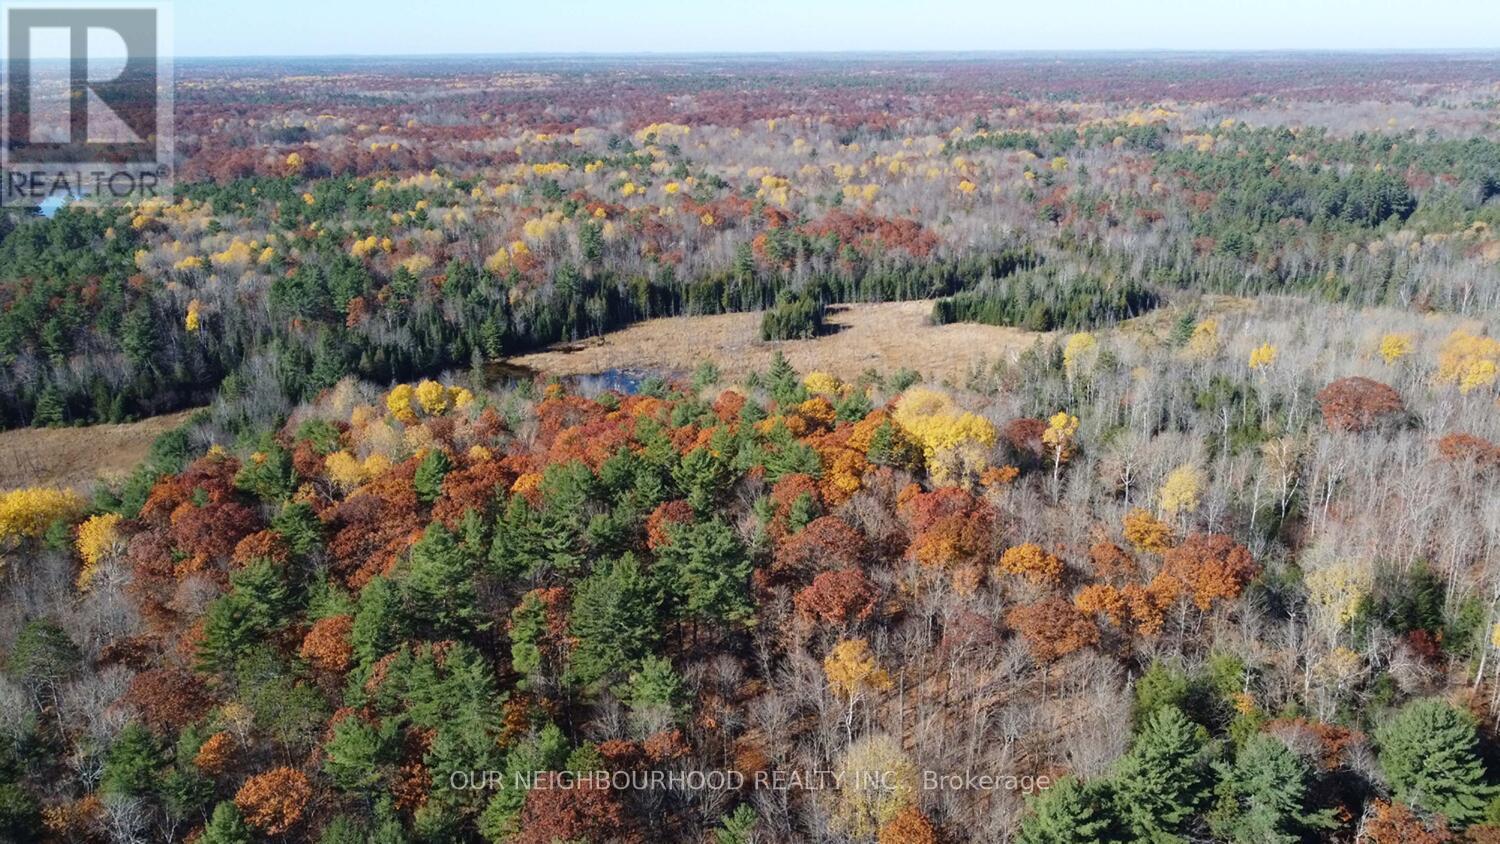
[
  {"x": 545, "y": 751},
  {"x": 50, "y": 409},
  {"x": 298, "y": 525},
  {"x": 528, "y": 540},
  {"x": 20, "y": 814},
  {"x": 657, "y": 690},
  {"x": 138, "y": 337},
  {"x": 519, "y": 547},
  {"x": 1070, "y": 812},
  {"x": 1160, "y": 686},
  {"x": 782, "y": 379},
  {"x": 702, "y": 475},
  {"x": 853, "y": 406},
  {"x": 343, "y": 830},
  {"x": 378, "y": 623},
  {"x": 737, "y": 827},
  {"x": 357, "y": 751},
  {"x": 1160, "y": 783},
  {"x": 185, "y": 792},
  {"x": 43, "y": 656},
  {"x": 1429, "y": 755},
  {"x": 130, "y": 766},
  {"x": 428, "y": 481},
  {"x": 269, "y": 475},
  {"x": 234, "y": 624},
  {"x": 438, "y": 585},
  {"x": 1263, "y": 796},
  {"x": 226, "y": 826},
  {"x": 614, "y": 622},
  {"x": 528, "y": 638},
  {"x": 705, "y": 572}
]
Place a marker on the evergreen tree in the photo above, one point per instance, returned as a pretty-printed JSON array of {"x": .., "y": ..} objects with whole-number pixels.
[
  {"x": 656, "y": 691},
  {"x": 528, "y": 634},
  {"x": 705, "y": 572},
  {"x": 226, "y": 826},
  {"x": 20, "y": 815},
  {"x": 50, "y": 408},
  {"x": 429, "y": 478},
  {"x": 528, "y": 541},
  {"x": 1429, "y": 753},
  {"x": 613, "y": 621},
  {"x": 702, "y": 476},
  {"x": 1263, "y": 796},
  {"x": 139, "y": 338},
  {"x": 547, "y": 750},
  {"x": 185, "y": 792},
  {"x": 782, "y": 379},
  {"x": 853, "y": 406},
  {"x": 43, "y": 656},
  {"x": 1160, "y": 686},
  {"x": 737, "y": 827},
  {"x": 378, "y": 623},
  {"x": 1160, "y": 783},
  {"x": 268, "y": 475},
  {"x": 299, "y": 527},
  {"x": 357, "y": 753},
  {"x": 705, "y": 375},
  {"x": 130, "y": 766},
  {"x": 257, "y": 603},
  {"x": 1070, "y": 812},
  {"x": 438, "y": 585},
  {"x": 343, "y": 830}
]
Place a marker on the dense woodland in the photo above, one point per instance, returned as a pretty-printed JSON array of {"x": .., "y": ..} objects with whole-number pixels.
[{"x": 1216, "y": 559}]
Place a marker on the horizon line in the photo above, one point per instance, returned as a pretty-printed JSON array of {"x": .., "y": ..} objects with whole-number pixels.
[{"x": 936, "y": 53}]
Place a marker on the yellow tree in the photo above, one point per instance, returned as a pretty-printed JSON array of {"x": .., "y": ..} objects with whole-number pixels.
[
  {"x": 955, "y": 443},
  {"x": 1147, "y": 533},
  {"x": 98, "y": 539},
  {"x": 1394, "y": 347},
  {"x": 28, "y": 513},
  {"x": 1336, "y": 593},
  {"x": 399, "y": 403},
  {"x": 1181, "y": 491},
  {"x": 1470, "y": 361},
  {"x": 1204, "y": 342},
  {"x": 852, "y": 672},
  {"x": 877, "y": 782},
  {"x": 1079, "y": 354},
  {"x": 432, "y": 397},
  {"x": 1060, "y": 439},
  {"x": 1263, "y": 356}
]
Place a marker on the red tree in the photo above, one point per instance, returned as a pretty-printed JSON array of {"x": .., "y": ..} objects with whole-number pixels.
[
  {"x": 826, "y": 543},
  {"x": 1052, "y": 628},
  {"x": 1356, "y": 404},
  {"x": 950, "y": 527},
  {"x": 169, "y": 698},
  {"x": 1212, "y": 566},
  {"x": 665, "y": 515},
  {"x": 836, "y": 597},
  {"x": 582, "y": 813}
]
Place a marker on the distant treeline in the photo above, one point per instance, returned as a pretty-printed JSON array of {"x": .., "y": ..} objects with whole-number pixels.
[
  {"x": 1039, "y": 300},
  {"x": 86, "y": 338}
]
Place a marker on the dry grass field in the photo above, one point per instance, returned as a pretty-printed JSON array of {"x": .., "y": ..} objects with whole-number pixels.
[
  {"x": 73, "y": 457},
  {"x": 887, "y": 337}
]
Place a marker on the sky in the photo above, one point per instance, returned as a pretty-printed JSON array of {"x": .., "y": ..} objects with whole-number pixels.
[{"x": 426, "y": 27}]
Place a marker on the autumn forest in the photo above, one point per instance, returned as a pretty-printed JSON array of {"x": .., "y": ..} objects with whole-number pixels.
[{"x": 1200, "y": 541}]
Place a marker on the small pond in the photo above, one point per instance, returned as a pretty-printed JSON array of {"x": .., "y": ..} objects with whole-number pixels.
[{"x": 625, "y": 381}]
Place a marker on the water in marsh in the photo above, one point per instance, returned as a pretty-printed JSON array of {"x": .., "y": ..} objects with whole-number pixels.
[{"x": 625, "y": 381}]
